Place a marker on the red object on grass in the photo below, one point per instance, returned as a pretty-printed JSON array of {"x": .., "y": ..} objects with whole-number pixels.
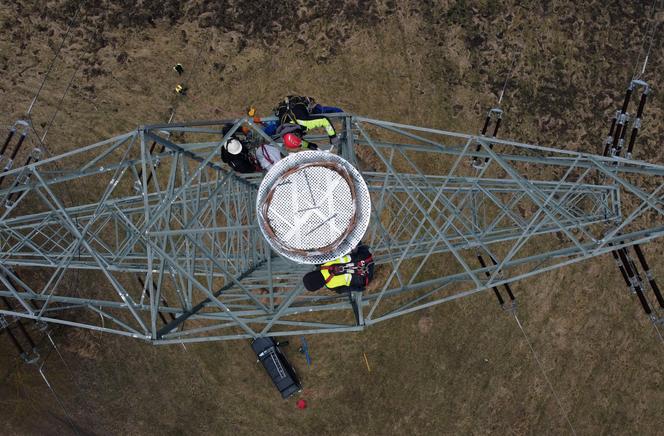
[{"x": 301, "y": 404}]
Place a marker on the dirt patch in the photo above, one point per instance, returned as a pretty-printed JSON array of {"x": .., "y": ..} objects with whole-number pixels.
[{"x": 425, "y": 324}]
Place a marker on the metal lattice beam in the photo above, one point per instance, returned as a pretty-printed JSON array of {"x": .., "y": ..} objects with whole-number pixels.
[{"x": 166, "y": 240}]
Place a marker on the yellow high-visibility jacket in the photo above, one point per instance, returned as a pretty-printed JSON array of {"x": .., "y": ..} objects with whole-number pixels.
[{"x": 337, "y": 280}]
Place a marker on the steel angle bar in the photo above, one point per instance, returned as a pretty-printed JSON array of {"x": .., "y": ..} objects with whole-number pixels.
[
  {"x": 643, "y": 168},
  {"x": 203, "y": 163},
  {"x": 501, "y": 235},
  {"x": 58, "y": 309},
  {"x": 584, "y": 256},
  {"x": 59, "y": 299},
  {"x": 55, "y": 245},
  {"x": 202, "y": 339},
  {"x": 201, "y": 209},
  {"x": 438, "y": 147},
  {"x": 456, "y": 212},
  {"x": 406, "y": 127},
  {"x": 405, "y": 207},
  {"x": 538, "y": 196},
  {"x": 569, "y": 156},
  {"x": 217, "y": 131},
  {"x": 635, "y": 214},
  {"x": 248, "y": 336},
  {"x": 632, "y": 239},
  {"x": 573, "y": 223},
  {"x": 60, "y": 157},
  {"x": 166, "y": 202},
  {"x": 282, "y": 307},
  {"x": 153, "y": 294},
  {"x": 348, "y": 149},
  {"x": 109, "y": 151},
  {"x": 14, "y": 291},
  {"x": 98, "y": 259},
  {"x": 74, "y": 324},
  {"x": 421, "y": 298},
  {"x": 173, "y": 127},
  {"x": 442, "y": 232},
  {"x": 537, "y": 258},
  {"x": 505, "y": 210},
  {"x": 52, "y": 284},
  {"x": 229, "y": 276},
  {"x": 262, "y": 134},
  {"x": 115, "y": 320},
  {"x": 404, "y": 217},
  {"x": 425, "y": 213},
  {"x": 206, "y": 329},
  {"x": 189, "y": 231},
  {"x": 193, "y": 225},
  {"x": 531, "y": 190},
  {"x": 15, "y": 280},
  {"x": 382, "y": 188},
  {"x": 379, "y": 224},
  {"x": 75, "y": 244},
  {"x": 528, "y": 233},
  {"x": 212, "y": 297},
  {"x": 644, "y": 197},
  {"x": 21, "y": 241}
]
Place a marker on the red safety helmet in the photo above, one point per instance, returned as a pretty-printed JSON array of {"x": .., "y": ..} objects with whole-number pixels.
[{"x": 291, "y": 140}]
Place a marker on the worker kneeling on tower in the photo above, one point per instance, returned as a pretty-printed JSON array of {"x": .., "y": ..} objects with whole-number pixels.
[
  {"x": 297, "y": 115},
  {"x": 349, "y": 273}
]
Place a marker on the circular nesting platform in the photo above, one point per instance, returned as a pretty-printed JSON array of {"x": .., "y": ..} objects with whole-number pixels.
[{"x": 313, "y": 207}]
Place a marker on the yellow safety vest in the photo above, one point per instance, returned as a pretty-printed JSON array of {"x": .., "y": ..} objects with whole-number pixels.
[{"x": 336, "y": 280}]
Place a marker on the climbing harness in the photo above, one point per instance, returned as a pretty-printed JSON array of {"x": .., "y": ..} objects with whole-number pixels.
[{"x": 360, "y": 268}]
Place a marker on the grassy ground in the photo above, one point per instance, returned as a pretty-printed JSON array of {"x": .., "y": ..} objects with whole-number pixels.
[{"x": 460, "y": 368}]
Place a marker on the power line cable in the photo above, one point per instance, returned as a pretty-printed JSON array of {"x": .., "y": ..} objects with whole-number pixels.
[
  {"x": 541, "y": 367},
  {"x": 507, "y": 79},
  {"x": 57, "y": 109},
  {"x": 659, "y": 334},
  {"x": 652, "y": 27},
  {"x": 57, "y": 54},
  {"x": 43, "y": 145},
  {"x": 40, "y": 369},
  {"x": 57, "y": 350}
]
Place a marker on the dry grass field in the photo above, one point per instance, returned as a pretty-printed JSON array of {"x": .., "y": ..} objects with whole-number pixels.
[{"x": 459, "y": 368}]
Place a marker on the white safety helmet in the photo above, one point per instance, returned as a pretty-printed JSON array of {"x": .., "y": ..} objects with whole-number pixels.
[{"x": 233, "y": 146}]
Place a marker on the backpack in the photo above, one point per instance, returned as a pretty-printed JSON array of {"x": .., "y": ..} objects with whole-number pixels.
[{"x": 284, "y": 110}]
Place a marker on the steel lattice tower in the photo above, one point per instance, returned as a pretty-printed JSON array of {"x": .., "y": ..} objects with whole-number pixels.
[{"x": 165, "y": 240}]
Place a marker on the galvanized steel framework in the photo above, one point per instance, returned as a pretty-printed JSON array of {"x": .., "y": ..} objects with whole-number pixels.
[{"x": 165, "y": 241}]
